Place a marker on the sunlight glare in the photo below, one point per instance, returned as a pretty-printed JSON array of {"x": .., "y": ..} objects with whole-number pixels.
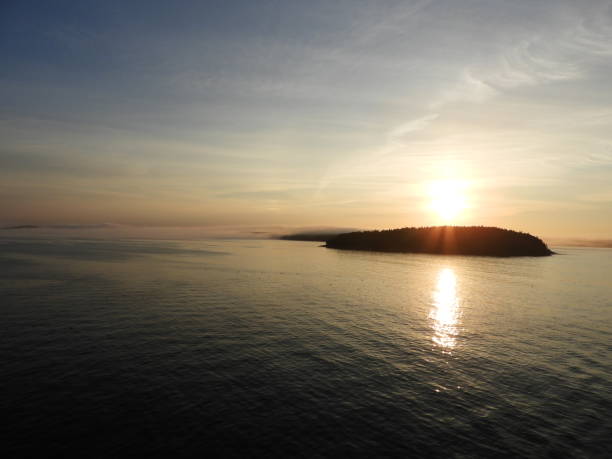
[
  {"x": 445, "y": 313},
  {"x": 447, "y": 199}
]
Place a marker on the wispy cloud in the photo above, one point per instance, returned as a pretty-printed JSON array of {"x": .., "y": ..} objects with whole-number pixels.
[{"x": 398, "y": 133}]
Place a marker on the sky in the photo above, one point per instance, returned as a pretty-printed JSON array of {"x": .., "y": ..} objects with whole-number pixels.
[{"x": 304, "y": 114}]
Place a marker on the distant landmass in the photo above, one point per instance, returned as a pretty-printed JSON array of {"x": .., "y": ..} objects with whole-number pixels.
[
  {"x": 308, "y": 237},
  {"x": 448, "y": 240},
  {"x": 19, "y": 227},
  {"x": 321, "y": 235},
  {"x": 576, "y": 242}
]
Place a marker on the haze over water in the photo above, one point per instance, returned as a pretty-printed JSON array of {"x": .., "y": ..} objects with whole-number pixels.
[{"x": 282, "y": 348}]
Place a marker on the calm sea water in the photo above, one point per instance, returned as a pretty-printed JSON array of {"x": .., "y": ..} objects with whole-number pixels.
[{"x": 281, "y": 348}]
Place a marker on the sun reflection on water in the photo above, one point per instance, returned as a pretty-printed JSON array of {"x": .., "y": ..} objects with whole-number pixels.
[{"x": 445, "y": 310}]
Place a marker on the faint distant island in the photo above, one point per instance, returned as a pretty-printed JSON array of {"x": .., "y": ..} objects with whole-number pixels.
[
  {"x": 320, "y": 235},
  {"x": 448, "y": 240},
  {"x": 19, "y": 227}
]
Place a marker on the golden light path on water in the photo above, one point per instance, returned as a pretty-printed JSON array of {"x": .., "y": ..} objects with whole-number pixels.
[{"x": 445, "y": 312}]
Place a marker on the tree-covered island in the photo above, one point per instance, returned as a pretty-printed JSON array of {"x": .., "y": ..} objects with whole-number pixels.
[{"x": 448, "y": 240}]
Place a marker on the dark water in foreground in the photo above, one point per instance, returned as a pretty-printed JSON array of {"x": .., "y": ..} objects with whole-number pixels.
[{"x": 280, "y": 348}]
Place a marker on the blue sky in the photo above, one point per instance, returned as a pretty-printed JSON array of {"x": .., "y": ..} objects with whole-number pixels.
[{"x": 307, "y": 113}]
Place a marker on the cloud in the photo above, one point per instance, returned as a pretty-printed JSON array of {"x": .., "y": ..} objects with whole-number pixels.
[
  {"x": 60, "y": 164},
  {"x": 555, "y": 52},
  {"x": 600, "y": 197},
  {"x": 468, "y": 88},
  {"x": 411, "y": 126},
  {"x": 77, "y": 226},
  {"x": 67, "y": 226},
  {"x": 266, "y": 195},
  {"x": 593, "y": 35},
  {"x": 362, "y": 165}
]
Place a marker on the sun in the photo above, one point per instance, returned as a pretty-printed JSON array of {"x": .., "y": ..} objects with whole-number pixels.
[{"x": 447, "y": 199}]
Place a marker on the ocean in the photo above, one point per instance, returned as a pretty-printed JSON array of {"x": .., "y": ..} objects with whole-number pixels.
[{"x": 264, "y": 348}]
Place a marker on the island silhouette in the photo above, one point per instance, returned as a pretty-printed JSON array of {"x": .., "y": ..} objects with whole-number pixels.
[
  {"x": 306, "y": 236},
  {"x": 445, "y": 240}
]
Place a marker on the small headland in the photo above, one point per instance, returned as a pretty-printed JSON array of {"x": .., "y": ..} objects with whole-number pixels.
[{"x": 308, "y": 237}]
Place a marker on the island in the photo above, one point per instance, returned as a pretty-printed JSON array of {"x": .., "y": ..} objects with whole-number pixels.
[
  {"x": 16, "y": 227},
  {"x": 447, "y": 240},
  {"x": 320, "y": 237}
]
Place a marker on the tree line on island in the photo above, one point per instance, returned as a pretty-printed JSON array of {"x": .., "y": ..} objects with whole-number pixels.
[{"x": 448, "y": 240}]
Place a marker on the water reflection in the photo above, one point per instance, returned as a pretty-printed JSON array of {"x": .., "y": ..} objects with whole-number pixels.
[{"x": 445, "y": 310}]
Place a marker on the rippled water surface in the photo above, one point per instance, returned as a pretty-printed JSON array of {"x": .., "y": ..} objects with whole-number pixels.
[{"x": 281, "y": 348}]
